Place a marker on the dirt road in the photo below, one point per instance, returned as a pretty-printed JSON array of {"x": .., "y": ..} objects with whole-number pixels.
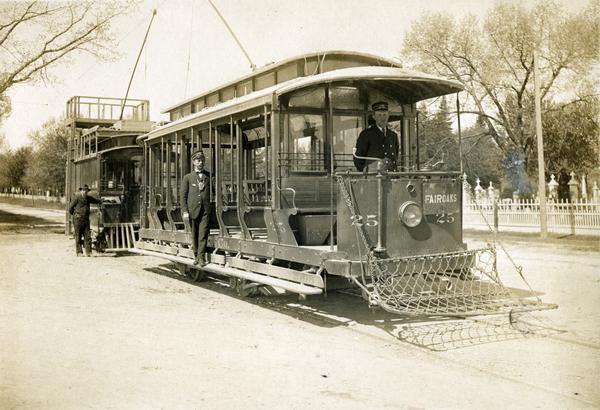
[{"x": 129, "y": 332}]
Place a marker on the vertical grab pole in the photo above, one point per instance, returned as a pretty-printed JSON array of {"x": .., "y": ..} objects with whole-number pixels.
[
  {"x": 239, "y": 195},
  {"x": 169, "y": 188},
  {"x": 219, "y": 184},
  {"x": 379, "y": 248},
  {"x": 266, "y": 154},
  {"x": 178, "y": 164},
  {"x": 331, "y": 143},
  {"x": 462, "y": 175},
  {"x": 162, "y": 169},
  {"x": 144, "y": 190},
  {"x": 275, "y": 198},
  {"x": 212, "y": 162}
]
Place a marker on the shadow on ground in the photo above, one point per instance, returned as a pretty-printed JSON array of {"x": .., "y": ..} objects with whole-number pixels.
[
  {"x": 10, "y": 222},
  {"x": 348, "y": 309}
]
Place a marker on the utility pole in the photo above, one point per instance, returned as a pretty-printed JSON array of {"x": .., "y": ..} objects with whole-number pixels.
[{"x": 540, "y": 148}]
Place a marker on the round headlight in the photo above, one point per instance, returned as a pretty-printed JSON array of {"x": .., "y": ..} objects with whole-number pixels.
[{"x": 411, "y": 214}]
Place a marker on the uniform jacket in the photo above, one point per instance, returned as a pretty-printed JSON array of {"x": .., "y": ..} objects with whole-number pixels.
[
  {"x": 195, "y": 193},
  {"x": 373, "y": 143},
  {"x": 80, "y": 206}
]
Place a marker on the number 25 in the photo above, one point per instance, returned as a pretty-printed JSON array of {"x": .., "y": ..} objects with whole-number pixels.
[
  {"x": 444, "y": 218},
  {"x": 357, "y": 220}
]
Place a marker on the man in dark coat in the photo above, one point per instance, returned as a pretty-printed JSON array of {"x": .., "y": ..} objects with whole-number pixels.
[
  {"x": 195, "y": 205},
  {"x": 377, "y": 141},
  {"x": 80, "y": 209}
]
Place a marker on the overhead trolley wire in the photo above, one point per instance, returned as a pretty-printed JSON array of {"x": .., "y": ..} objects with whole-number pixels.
[{"x": 187, "y": 73}]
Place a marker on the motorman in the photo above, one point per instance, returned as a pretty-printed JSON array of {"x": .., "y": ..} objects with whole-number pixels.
[{"x": 377, "y": 141}]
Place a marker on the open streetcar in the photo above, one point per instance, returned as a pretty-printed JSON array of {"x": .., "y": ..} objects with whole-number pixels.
[
  {"x": 102, "y": 152},
  {"x": 290, "y": 210}
]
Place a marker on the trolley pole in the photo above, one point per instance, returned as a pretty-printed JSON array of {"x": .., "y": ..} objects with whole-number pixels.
[
  {"x": 135, "y": 66},
  {"x": 540, "y": 146}
]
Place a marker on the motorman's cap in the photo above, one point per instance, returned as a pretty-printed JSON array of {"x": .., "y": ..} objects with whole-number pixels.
[
  {"x": 198, "y": 155},
  {"x": 84, "y": 188},
  {"x": 380, "y": 106}
]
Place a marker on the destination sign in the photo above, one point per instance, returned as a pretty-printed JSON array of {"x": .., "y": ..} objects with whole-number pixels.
[{"x": 441, "y": 197}]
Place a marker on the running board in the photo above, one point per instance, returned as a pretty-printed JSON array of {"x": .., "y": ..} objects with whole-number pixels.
[{"x": 238, "y": 273}]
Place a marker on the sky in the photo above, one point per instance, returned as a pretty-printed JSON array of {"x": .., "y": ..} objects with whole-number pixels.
[{"x": 189, "y": 49}]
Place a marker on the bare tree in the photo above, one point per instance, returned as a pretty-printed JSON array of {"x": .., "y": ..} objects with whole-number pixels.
[
  {"x": 36, "y": 35},
  {"x": 493, "y": 59}
]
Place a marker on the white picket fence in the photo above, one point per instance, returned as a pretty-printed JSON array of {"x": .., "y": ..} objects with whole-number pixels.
[
  {"x": 33, "y": 198},
  {"x": 576, "y": 218}
]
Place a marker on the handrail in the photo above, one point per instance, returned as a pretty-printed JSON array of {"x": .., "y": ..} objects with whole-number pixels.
[
  {"x": 401, "y": 173},
  {"x": 365, "y": 158},
  {"x": 293, "y": 196}
]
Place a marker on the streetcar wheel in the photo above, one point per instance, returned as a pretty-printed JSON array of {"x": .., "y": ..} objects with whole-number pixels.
[
  {"x": 243, "y": 288},
  {"x": 233, "y": 283},
  {"x": 247, "y": 290},
  {"x": 183, "y": 269},
  {"x": 196, "y": 274}
]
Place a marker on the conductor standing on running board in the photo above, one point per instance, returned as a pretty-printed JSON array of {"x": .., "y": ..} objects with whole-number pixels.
[
  {"x": 377, "y": 141},
  {"x": 195, "y": 205}
]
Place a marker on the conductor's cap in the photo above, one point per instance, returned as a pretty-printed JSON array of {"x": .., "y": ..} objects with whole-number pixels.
[
  {"x": 198, "y": 155},
  {"x": 380, "y": 106}
]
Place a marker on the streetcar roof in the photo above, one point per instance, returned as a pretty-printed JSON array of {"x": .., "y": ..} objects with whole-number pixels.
[
  {"x": 249, "y": 101},
  {"x": 368, "y": 59},
  {"x": 409, "y": 86}
]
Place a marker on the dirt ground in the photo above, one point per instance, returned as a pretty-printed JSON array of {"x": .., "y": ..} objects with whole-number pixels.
[{"x": 128, "y": 332}]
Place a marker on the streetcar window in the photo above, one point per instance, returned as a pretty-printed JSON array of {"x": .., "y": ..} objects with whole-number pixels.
[
  {"x": 212, "y": 99},
  {"x": 346, "y": 98},
  {"x": 243, "y": 88},
  {"x": 256, "y": 157},
  {"x": 228, "y": 93},
  {"x": 259, "y": 163},
  {"x": 305, "y": 143},
  {"x": 287, "y": 72},
  {"x": 186, "y": 110},
  {"x": 228, "y": 157},
  {"x": 346, "y": 129},
  {"x": 332, "y": 63},
  {"x": 265, "y": 81},
  {"x": 309, "y": 98},
  {"x": 199, "y": 105}
]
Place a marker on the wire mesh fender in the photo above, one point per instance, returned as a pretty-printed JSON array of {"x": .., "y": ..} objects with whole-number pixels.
[{"x": 460, "y": 283}]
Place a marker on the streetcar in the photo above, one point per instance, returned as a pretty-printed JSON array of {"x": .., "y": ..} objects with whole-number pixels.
[
  {"x": 103, "y": 153},
  {"x": 291, "y": 211}
]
